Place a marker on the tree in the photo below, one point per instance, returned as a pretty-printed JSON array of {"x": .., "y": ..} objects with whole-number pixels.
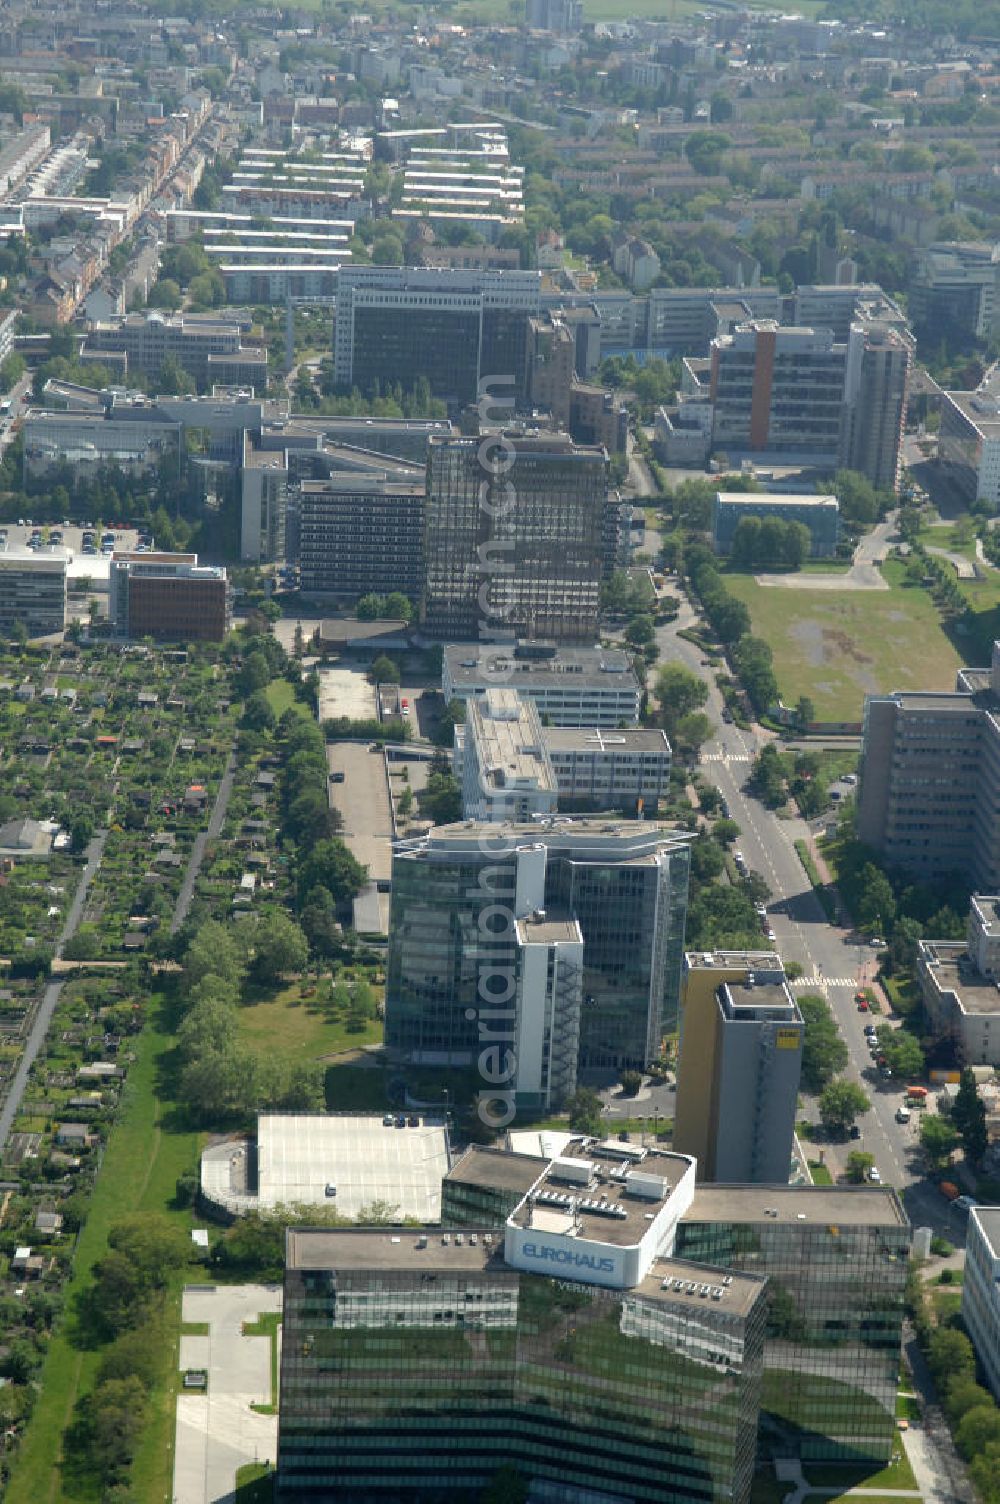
[
  {"x": 977, "y": 1430},
  {"x": 331, "y": 865},
  {"x": 964, "y": 1395},
  {"x": 384, "y": 671},
  {"x": 858, "y": 1165},
  {"x": 968, "y": 1113},
  {"x": 398, "y": 607},
  {"x": 370, "y": 607},
  {"x": 679, "y": 692},
  {"x": 938, "y": 1138},
  {"x": 319, "y": 923},
  {"x": 875, "y": 908},
  {"x": 950, "y": 1358},
  {"x": 585, "y": 1110},
  {"x": 214, "y": 950},
  {"x": 279, "y": 946},
  {"x": 442, "y": 797},
  {"x": 640, "y": 631},
  {"x": 165, "y": 293},
  {"x": 902, "y": 1051},
  {"x": 258, "y": 714},
  {"x": 805, "y": 712},
  {"x": 824, "y": 1053},
  {"x": 631, "y": 1083},
  {"x": 692, "y": 731},
  {"x": 840, "y": 1103},
  {"x": 255, "y": 674}
]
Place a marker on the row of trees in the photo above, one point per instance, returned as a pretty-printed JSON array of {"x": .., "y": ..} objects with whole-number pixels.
[
  {"x": 729, "y": 618},
  {"x": 770, "y": 543}
]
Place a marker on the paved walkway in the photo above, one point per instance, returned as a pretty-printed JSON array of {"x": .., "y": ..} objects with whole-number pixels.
[
  {"x": 50, "y": 997},
  {"x": 201, "y": 840},
  {"x": 217, "y": 1432}
]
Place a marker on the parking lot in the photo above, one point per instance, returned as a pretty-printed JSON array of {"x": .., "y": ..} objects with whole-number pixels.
[
  {"x": 217, "y": 1432},
  {"x": 71, "y": 537}
]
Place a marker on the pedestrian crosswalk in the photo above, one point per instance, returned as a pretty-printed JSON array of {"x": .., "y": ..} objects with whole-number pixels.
[
  {"x": 726, "y": 757},
  {"x": 821, "y": 981}
]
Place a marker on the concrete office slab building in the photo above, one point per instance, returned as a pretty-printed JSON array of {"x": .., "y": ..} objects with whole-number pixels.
[
  {"x": 571, "y": 686},
  {"x": 626, "y": 769},
  {"x": 501, "y": 761},
  {"x": 33, "y": 590},
  {"x": 960, "y": 984},
  {"x": 740, "y": 1062},
  {"x": 981, "y": 1290},
  {"x": 929, "y": 783}
]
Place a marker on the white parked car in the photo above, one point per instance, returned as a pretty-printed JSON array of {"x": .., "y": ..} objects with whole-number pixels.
[{"x": 874, "y": 1176}]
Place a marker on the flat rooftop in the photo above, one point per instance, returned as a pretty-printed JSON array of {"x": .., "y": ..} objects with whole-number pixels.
[
  {"x": 848, "y": 1206},
  {"x": 507, "y": 737},
  {"x": 762, "y": 997},
  {"x": 552, "y": 930},
  {"x": 300, "y": 1155},
  {"x": 400, "y": 1248},
  {"x": 954, "y": 970},
  {"x": 979, "y": 408},
  {"x": 734, "y": 960},
  {"x": 988, "y": 1218},
  {"x": 591, "y": 739},
  {"x": 686, "y": 1283},
  {"x": 496, "y": 1169},
  {"x": 567, "y": 668},
  {"x": 557, "y": 1203},
  {"x": 780, "y": 499}
]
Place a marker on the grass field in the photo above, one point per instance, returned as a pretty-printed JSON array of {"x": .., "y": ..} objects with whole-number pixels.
[
  {"x": 836, "y": 647},
  {"x": 281, "y": 697},
  {"x": 146, "y": 1153},
  {"x": 299, "y": 1028}
]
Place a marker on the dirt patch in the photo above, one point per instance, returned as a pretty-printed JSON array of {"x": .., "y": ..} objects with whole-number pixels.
[{"x": 840, "y": 643}]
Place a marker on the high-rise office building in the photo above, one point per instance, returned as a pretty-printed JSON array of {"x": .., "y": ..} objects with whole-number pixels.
[
  {"x": 169, "y": 596},
  {"x": 875, "y": 396},
  {"x": 740, "y": 1060},
  {"x": 514, "y": 537},
  {"x": 929, "y": 789},
  {"x": 778, "y": 391},
  {"x": 361, "y": 534},
  {"x": 836, "y": 1262},
  {"x": 456, "y": 328},
  {"x": 799, "y": 394},
  {"x": 469, "y": 901},
  {"x": 421, "y": 1363},
  {"x": 956, "y": 290},
  {"x": 835, "y": 1259}
]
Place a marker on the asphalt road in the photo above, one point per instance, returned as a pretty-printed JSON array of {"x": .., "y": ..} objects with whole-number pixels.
[
  {"x": 50, "y": 997},
  {"x": 834, "y": 963}
]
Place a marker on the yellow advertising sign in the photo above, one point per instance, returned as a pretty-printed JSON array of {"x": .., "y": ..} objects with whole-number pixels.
[{"x": 788, "y": 1039}]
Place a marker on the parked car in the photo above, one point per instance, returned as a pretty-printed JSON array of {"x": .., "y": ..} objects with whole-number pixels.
[
  {"x": 854, "y": 1131},
  {"x": 874, "y": 1176},
  {"x": 902, "y": 1114}
]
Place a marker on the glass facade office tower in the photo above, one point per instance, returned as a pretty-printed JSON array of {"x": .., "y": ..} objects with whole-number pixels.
[
  {"x": 836, "y": 1266},
  {"x": 621, "y": 887},
  {"x": 417, "y": 1364},
  {"x": 514, "y": 537}
]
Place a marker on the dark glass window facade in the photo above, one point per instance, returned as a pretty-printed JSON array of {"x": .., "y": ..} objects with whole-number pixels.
[
  {"x": 420, "y": 1384},
  {"x": 835, "y": 1299}
]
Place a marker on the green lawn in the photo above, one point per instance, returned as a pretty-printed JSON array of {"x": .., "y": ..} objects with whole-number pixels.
[
  {"x": 254, "y": 1483},
  {"x": 899, "y": 1474},
  {"x": 355, "y": 1088},
  {"x": 820, "y": 1174},
  {"x": 145, "y": 1155},
  {"x": 281, "y": 697},
  {"x": 299, "y": 1028},
  {"x": 837, "y": 646}
]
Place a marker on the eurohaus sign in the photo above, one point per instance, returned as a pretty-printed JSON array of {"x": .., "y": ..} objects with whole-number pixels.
[{"x": 545, "y": 1253}]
